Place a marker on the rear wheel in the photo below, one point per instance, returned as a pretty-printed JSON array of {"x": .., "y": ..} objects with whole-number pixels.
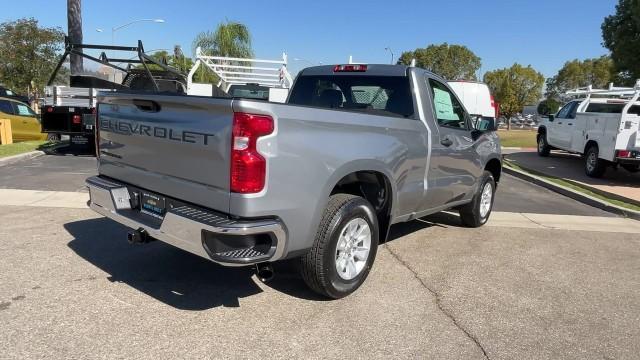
[
  {"x": 344, "y": 248},
  {"x": 593, "y": 165},
  {"x": 631, "y": 168},
  {"x": 543, "y": 146},
  {"x": 476, "y": 213}
]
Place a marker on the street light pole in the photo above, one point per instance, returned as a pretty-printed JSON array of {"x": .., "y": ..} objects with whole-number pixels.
[
  {"x": 390, "y": 51},
  {"x": 116, "y": 28}
]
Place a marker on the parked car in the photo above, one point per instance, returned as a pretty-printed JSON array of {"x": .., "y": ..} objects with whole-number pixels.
[
  {"x": 25, "y": 123},
  {"x": 8, "y": 93},
  {"x": 603, "y": 125},
  {"x": 321, "y": 178}
]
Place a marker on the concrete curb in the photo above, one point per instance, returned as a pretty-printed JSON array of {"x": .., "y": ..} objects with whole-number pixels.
[
  {"x": 578, "y": 196},
  {"x": 518, "y": 148},
  {"x": 24, "y": 156}
]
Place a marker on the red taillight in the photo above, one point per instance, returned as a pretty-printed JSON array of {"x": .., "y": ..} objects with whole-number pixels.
[
  {"x": 77, "y": 119},
  {"x": 248, "y": 167},
  {"x": 623, "y": 154},
  {"x": 496, "y": 108},
  {"x": 350, "y": 68},
  {"x": 49, "y": 109}
]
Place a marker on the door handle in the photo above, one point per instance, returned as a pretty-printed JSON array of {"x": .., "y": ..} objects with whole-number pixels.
[
  {"x": 446, "y": 142},
  {"x": 147, "y": 105},
  {"x": 570, "y": 124},
  {"x": 559, "y": 122}
]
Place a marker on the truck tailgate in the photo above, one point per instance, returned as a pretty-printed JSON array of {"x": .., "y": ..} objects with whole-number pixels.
[{"x": 177, "y": 146}]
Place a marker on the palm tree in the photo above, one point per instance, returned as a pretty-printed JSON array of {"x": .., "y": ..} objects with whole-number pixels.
[{"x": 231, "y": 39}]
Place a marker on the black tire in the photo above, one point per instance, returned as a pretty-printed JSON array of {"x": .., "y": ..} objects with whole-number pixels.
[
  {"x": 53, "y": 137},
  {"x": 471, "y": 214},
  {"x": 594, "y": 166},
  {"x": 543, "y": 146},
  {"x": 631, "y": 168},
  {"x": 318, "y": 266}
]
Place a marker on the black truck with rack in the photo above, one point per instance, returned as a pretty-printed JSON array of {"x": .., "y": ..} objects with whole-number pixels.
[{"x": 71, "y": 110}]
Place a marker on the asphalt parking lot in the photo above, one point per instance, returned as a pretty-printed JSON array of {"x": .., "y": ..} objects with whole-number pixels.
[{"x": 548, "y": 277}]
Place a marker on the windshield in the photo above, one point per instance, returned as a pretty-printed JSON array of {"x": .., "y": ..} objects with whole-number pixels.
[{"x": 381, "y": 95}]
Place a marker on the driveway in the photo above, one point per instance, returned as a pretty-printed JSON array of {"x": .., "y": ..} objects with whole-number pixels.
[
  {"x": 571, "y": 166},
  {"x": 546, "y": 278}
]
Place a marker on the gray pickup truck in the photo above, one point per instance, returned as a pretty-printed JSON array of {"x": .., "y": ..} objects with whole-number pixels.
[{"x": 355, "y": 149}]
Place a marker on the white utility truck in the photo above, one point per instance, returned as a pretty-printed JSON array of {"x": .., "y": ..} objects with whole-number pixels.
[
  {"x": 600, "y": 124},
  {"x": 243, "y": 77}
]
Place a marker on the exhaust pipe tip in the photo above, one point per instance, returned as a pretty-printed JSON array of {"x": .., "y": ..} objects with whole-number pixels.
[
  {"x": 265, "y": 272},
  {"x": 139, "y": 236}
]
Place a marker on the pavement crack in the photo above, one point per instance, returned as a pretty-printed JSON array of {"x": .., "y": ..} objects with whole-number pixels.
[
  {"x": 538, "y": 223},
  {"x": 437, "y": 300}
]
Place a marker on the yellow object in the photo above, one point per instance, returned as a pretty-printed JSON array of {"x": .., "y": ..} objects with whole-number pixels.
[
  {"x": 25, "y": 124},
  {"x": 6, "y": 137}
]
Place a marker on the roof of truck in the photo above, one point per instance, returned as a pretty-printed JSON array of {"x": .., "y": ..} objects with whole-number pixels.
[{"x": 372, "y": 69}]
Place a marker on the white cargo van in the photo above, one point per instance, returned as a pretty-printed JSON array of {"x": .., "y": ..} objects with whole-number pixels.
[{"x": 476, "y": 97}]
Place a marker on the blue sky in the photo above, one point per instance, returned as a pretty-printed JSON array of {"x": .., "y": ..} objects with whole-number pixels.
[{"x": 543, "y": 33}]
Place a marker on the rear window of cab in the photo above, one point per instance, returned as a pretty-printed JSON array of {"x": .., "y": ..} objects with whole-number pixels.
[
  {"x": 608, "y": 108},
  {"x": 377, "y": 95}
]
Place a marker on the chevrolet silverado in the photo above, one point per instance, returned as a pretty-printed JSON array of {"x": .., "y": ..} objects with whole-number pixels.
[{"x": 319, "y": 179}]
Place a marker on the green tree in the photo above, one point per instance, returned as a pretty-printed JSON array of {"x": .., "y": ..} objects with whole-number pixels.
[
  {"x": 514, "y": 87},
  {"x": 548, "y": 106},
  {"x": 621, "y": 35},
  {"x": 598, "y": 72},
  {"x": 231, "y": 39},
  {"x": 452, "y": 62},
  {"x": 28, "y": 54}
]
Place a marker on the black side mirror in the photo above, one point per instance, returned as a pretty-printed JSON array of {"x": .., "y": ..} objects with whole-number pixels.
[
  {"x": 481, "y": 126},
  {"x": 552, "y": 117},
  {"x": 486, "y": 124}
]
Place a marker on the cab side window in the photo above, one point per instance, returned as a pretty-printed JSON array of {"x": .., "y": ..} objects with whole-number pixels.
[
  {"x": 573, "y": 110},
  {"x": 23, "y": 110},
  {"x": 447, "y": 109},
  {"x": 5, "y": 107},
  {"x": 564, "y": 112}
]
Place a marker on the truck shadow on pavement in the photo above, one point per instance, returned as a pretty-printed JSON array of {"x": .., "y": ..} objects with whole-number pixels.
[
  {"x": 189, "y": 282},
  {"x": 441, "y": 219},
  {"x": 173, "y": 276},
  {"x": 66, "y": 149}
]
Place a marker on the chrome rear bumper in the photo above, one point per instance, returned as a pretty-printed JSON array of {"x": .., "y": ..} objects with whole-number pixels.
[{"x": 186, "y": 227}]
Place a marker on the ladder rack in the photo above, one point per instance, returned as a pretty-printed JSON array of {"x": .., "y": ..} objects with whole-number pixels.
[
  {"x": 611, "y": 91},
  {"x": 231, "y": 70}
]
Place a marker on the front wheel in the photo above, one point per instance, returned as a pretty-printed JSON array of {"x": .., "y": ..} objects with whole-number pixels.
[
  {"x": 344, "y": 248},
  {"x": 543, "y": 146},
  {"x": 476, "y": 213}
]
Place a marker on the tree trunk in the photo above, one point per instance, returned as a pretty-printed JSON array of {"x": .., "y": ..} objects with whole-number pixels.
[
  {"x": 74, "y": 20},
  {"x": 508, "y": 123}
]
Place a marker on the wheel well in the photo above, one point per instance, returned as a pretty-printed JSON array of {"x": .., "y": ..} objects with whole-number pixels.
[
  {"x": 495, "y": 168},
  {"x": 542, "y": 130},
  {"x": 375, "y": 188},
  {"x": 589, "y": 144}
]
